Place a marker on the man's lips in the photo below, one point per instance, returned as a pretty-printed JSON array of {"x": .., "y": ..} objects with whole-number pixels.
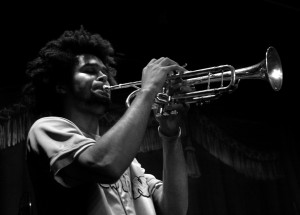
[{"x": 101, "y": 92}]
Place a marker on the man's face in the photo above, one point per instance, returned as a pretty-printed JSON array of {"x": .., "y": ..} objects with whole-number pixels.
[{"x": 90, "y": 75}]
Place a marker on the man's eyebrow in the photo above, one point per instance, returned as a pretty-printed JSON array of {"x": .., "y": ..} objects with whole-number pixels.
[
  {"x": 95, "y": 65},
  {"x": 92, "y": 64}
]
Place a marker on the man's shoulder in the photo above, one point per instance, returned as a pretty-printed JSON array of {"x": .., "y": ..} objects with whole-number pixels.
[
  {"x": 49, "y": 120},
  {"x": 46, "y": 123}
]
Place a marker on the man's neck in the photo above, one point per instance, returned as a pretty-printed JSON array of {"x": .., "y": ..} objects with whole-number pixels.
[{"x": 87, "y": 122}]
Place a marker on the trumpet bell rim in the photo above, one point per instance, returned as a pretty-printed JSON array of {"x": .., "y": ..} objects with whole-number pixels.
[{"x": 274, "y": 68}]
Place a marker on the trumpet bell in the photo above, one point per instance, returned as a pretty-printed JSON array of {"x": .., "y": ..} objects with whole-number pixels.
[{"x": 274, "y": 69}]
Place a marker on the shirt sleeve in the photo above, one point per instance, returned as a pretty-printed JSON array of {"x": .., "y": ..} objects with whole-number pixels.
[{"x": 59, "y": 139}]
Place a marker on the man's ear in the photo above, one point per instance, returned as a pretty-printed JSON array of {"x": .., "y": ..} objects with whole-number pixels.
[{"x": 61, "y": 89}]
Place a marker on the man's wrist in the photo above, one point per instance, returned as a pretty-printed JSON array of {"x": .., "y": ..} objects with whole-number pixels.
[
  {"x": 147, "y": 92},
  {"x": 167, "y": 136}
]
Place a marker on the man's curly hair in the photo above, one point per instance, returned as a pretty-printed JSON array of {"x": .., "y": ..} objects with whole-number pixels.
[{"x": 56, "y": 61}]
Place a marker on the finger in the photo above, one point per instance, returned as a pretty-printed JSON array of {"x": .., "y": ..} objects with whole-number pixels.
[
  {"x": 155, "y": 61},
  {"x": 167, "y": 61},
  {"x": 161, "y": 59},
  {"x": 176, "y": 106},
  {"x": 186, "y": 89},
  {"x": 171, "y": 115},
  {"x": 180, "y": 107},
  {"x": 175, "y": 86},
  {"x": 156, "y": 108},
  {"x": 151, "y": 61},
  {"x": 171, "y": 68}
]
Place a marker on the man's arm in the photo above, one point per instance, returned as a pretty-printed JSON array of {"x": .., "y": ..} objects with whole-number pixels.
[
  {"x": 115, "y": 150},
  {"x": 172, "y": 198}
]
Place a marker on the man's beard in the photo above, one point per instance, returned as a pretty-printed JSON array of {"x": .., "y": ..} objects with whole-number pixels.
[{"x": 96, "y": 100}]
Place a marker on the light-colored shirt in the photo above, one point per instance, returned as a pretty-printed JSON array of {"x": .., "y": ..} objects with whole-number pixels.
[{"x": 53, "y": 144}]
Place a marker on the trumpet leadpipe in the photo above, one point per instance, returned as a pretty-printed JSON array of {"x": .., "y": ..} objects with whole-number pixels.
[{"x": 122, "y": 86}]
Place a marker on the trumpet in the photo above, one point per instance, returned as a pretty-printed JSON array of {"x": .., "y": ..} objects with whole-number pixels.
[{"x": 214, "y": 81}]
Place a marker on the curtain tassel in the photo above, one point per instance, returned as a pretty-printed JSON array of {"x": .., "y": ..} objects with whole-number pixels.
[{"x": 191, "y": 161}]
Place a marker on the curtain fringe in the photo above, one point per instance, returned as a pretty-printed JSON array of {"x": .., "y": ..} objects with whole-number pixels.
[
  {"x": 250, "y": 162},
  {"x": 191, "y": 162},
  {"x": 15, "y": 122}
]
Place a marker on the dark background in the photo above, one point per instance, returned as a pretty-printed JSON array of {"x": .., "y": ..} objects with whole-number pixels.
[{"x": 201, "y": 34}]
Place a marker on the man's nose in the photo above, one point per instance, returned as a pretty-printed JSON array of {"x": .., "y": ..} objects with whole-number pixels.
[{"x": 102, "y": 77}]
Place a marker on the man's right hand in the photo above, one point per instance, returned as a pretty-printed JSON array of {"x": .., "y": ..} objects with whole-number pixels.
[{"x": 155, "y": 73}]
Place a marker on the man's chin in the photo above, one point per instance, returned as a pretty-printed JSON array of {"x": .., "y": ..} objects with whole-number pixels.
[
  {"x": 101, "y": 98},
  {"x": 99, "y": 101},
  {"x": 103, "y": 102},
  {"x": 99, "y": 108}
]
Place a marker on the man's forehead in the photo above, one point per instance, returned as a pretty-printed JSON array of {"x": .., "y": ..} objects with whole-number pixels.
[{"x": 89, "y": 59}]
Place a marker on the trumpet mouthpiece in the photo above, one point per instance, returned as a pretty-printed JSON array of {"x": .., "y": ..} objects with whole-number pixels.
[{"x": 106, "y": 87}]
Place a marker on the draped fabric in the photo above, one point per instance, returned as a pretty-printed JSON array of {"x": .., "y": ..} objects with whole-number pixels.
[
  {"x": 235, "y": 165},
  {"x": 15, "y": 121},
  {"x": 246, "y": 146}
]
